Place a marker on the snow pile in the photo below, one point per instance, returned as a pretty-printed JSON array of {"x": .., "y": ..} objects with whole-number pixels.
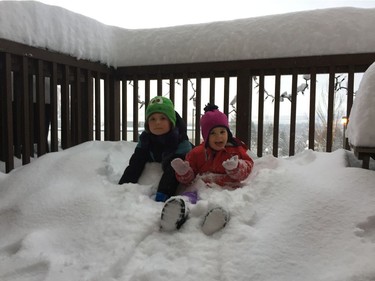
[
  {"x": 54, "y": 28},
  {"x": 317, "y": 32},
  {"x": 307, "y": 217},
  {"x": 63, "y": 217},
  {"x": 361, "y": 130}
]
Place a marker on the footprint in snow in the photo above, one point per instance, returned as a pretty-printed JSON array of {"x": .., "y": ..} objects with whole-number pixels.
[{"x": 366, "y": 229}]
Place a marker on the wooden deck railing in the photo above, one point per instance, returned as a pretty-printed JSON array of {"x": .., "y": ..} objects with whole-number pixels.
[
  {"x": 47, "y": 101},
  {"x": 252, "y": 92},
  {"x": 50, "y": 101}
]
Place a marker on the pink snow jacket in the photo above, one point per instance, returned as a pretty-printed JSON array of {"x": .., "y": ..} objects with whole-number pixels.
[{"x": 207, "y": 163}]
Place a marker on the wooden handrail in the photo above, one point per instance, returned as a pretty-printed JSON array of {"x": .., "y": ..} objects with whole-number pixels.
[{"x": 80, "y": 89}]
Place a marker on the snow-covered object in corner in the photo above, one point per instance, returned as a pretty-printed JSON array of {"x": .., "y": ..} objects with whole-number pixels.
[{"x": 361, "y": 129}]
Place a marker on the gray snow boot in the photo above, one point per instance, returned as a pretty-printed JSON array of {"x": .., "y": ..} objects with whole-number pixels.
[
  {"x": 215, "y": 219},
  {"x": 174, "y": 214}
]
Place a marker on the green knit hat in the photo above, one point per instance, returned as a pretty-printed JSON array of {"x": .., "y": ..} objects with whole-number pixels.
[{"x": 161, "y": 105}]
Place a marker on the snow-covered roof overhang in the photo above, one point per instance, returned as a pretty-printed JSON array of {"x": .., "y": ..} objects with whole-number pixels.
[{"x": 308, "y": 33}]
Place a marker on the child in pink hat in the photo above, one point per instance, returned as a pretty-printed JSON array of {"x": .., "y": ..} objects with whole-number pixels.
[{"x": 220, "y": 159}]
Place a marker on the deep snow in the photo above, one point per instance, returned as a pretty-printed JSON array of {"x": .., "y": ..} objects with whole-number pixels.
[{"x": 307, "y": 217}]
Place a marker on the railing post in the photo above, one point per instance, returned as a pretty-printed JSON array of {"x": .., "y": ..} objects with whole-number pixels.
[
  {"x": 6, "y": 125},
  {"x": 65, "y": 108},
  {"x": 293, "y": 114},
  {"x": 331, "y": 97},
  {"x": 349, "y": 103},
  {"x": 98, "y": 105},
  {"x": 107, "y": 109},
  {"x": 276, "y": 117},
  {"x": 172, "y": 89},
  {"x": 312, "y": 109},
  {"x": 124, "y": 113},
  {"x": 135, "y": 110},
  {"x": 17, "y": 114},
  {"x": 260, "y": 115},
  {"x": 76, "y": 105},
  {"x": 226, "y": 94},
  {"x": 198, "y": 104},
  {"x": 212, "y": 88},
  {"x": 53, "y": 95},
  {"x": 114, "y": 98},
  {"x": 185, "y": 98},
  {"x": 41, "y": 110},
  {"x": 26, "y": 136},
  {"x": 244, "y": 97}
]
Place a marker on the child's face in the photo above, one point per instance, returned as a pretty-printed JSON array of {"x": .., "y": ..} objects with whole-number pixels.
[
  {"x": 218, "y": 138},
  {"x": 159, "y": 124}
]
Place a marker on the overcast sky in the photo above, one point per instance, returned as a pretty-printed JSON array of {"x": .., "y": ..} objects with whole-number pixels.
[{"x": 162, "y": 13}]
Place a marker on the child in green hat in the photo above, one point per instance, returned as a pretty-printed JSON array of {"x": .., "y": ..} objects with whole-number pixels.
[{"x": 164, "y": 139}]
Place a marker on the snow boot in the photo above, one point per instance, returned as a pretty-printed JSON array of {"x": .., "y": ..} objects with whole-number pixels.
[
  {"x": 215, "y": 219},
  {"x": 174, "y": 214}
]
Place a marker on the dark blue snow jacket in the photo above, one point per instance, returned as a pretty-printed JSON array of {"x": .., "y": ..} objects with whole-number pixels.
[{"x": 162, "y": 149}]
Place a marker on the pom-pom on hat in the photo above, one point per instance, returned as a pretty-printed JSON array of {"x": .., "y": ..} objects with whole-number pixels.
[
  {"x": 213, "y": 118},
  {"x": 161, "y": 105}
]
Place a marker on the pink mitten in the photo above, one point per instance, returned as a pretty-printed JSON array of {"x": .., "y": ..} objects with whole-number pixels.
[
  {"x": 181, "y": 167},
  {"x": 231, "y": 163}
]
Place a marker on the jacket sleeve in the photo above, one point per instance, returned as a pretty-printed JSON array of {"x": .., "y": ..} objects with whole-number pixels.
[{"x": 137, "y": 163}]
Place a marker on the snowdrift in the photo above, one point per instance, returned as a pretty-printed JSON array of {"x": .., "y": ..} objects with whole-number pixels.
[{"x": 308, "y": 217}]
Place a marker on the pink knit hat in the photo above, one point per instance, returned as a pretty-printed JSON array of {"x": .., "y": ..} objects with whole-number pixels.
[{"x": 213, "y": 118}]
